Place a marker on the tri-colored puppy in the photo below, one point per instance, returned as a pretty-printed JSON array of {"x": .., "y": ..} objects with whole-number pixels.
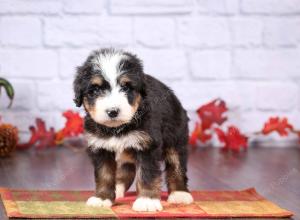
[{"x": 133, "y": 123}]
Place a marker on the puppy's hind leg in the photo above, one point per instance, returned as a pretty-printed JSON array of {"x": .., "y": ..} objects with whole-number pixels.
[
  {"x": 176, "y": 160},
  {"x": 125, "y": 172}
]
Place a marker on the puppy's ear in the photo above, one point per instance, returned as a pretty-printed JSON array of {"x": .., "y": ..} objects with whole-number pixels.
[{"x": 78, "y": 86}]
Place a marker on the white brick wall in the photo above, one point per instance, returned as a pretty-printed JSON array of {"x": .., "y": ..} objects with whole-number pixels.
[{"x": 244, "y": 51}]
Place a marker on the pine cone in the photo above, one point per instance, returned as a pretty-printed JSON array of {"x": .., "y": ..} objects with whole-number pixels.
[{"x": 8, "y": 139}]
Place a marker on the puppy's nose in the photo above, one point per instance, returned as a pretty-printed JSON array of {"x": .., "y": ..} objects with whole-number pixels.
[{"x": 112, "y": 112}]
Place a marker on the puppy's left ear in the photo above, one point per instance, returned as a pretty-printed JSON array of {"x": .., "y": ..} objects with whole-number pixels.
[{"x": 78, "y": 86}]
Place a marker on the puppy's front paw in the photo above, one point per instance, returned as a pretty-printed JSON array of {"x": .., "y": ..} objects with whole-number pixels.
[
  {"x": 98, "y": 202},
  {"x": 180, "y": 197},
  {"x": 146, "y": 204}
]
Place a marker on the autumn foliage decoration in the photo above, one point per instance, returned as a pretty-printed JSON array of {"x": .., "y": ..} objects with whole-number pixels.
[
  {"x": 212, "y": 116},
  {"x": 41, "y": 137},
  {"x": 73, "y": 126}
]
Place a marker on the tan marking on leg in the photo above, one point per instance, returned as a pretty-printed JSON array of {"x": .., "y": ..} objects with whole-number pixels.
[
  {"x": 173, "y": 158},
  {"x": 127, "y": 156},
  {"x": 174, "y": 171},
  {"x": 105, "y": 180},
  {"x": 106, "y": 173},
  {"x": 151, "y": 190},
  {"x": 125, "y": 171}
]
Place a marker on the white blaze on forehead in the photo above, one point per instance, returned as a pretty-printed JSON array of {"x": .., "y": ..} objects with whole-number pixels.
[{"x": 109, "y": 64}]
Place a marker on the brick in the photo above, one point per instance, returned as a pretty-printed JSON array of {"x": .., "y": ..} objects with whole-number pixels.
[
  {"x": 193, "y": 116},
  {"x": 223, "y": 7},
  {"x": 270, "y": 6},
  {"x": 151, "y": 6},
  {"x": 25, "y": 63},
  {"x": 30, "y": 6},
  {"x": 247, "y": 31},
  {"x": 276, "y": 96},
  {"x": 266, "y": 64},
  {"x": 281, "y": 32},
  {"x": 20, "y": 31},
  {"x": 88, "y": 7},
  {"x": 87, "y": 31},
  {"x": 239, "y": 96},
  {"x": 212, "y": 64},
  {"x": 252, "y": 121},
  {"x": 163, "y": 64},
  {"x": 193, "y": 94},
  {"x": 55, "y": 96},
  {"x": 154, "y": 32},
  {"x": 204, "y": 32},
  {"x": 69, "y": 59},
  {"x": 299, "y": 105},
  {"x": 23, "y": 119}
]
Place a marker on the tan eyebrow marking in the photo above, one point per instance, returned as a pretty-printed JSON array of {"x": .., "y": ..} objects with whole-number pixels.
[
  {"x": 96, "y": 80},
  {"x": 123, "y": 79}
]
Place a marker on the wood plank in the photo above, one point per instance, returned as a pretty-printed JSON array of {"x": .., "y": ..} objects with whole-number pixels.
[{"x": 274, "y": 172}]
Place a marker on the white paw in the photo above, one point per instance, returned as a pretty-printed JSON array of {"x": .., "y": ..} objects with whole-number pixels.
[
  {"x": 98, "y": 202},
  {"x": 120, "y": 190},
  {"x": 146, "y": 204},
  {"x": 180, "y": 197}
]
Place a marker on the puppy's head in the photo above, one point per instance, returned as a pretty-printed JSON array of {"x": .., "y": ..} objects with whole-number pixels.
[{"x": 110, "y": 85}]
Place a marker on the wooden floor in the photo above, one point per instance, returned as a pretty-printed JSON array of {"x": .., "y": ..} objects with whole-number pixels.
[{"x": 274, "y": 172}]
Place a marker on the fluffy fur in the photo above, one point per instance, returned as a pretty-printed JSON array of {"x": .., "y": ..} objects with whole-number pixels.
[{"x": 133, "y": 122}]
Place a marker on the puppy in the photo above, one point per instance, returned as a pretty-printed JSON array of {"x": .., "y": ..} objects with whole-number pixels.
[{"x": 133, "y": 123}]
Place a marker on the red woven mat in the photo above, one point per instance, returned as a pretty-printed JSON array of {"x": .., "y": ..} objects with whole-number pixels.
[{"x": 71, "y": 204}]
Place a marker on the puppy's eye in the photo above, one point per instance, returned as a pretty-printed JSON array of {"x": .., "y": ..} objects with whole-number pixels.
[
  {"x": 126, "y": 88},
  {"x": 94, "y": 91}
]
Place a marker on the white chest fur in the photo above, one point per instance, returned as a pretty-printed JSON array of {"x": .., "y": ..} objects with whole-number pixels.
[{"x": 138, "y": 140}]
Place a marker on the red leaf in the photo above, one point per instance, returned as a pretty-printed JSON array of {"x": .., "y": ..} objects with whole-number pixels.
[
  {"x": 194, "y": 135},
  {"x": 199, "y": 134},
  {"x": 221, "y": 135},
  {"x": 281, "y": 126},
  {"x": 73, "y": 126},
  {"x": 212, "y": 113},
  {"x": 233, "y": 139},
  {"x": 40, "y": 137}
]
